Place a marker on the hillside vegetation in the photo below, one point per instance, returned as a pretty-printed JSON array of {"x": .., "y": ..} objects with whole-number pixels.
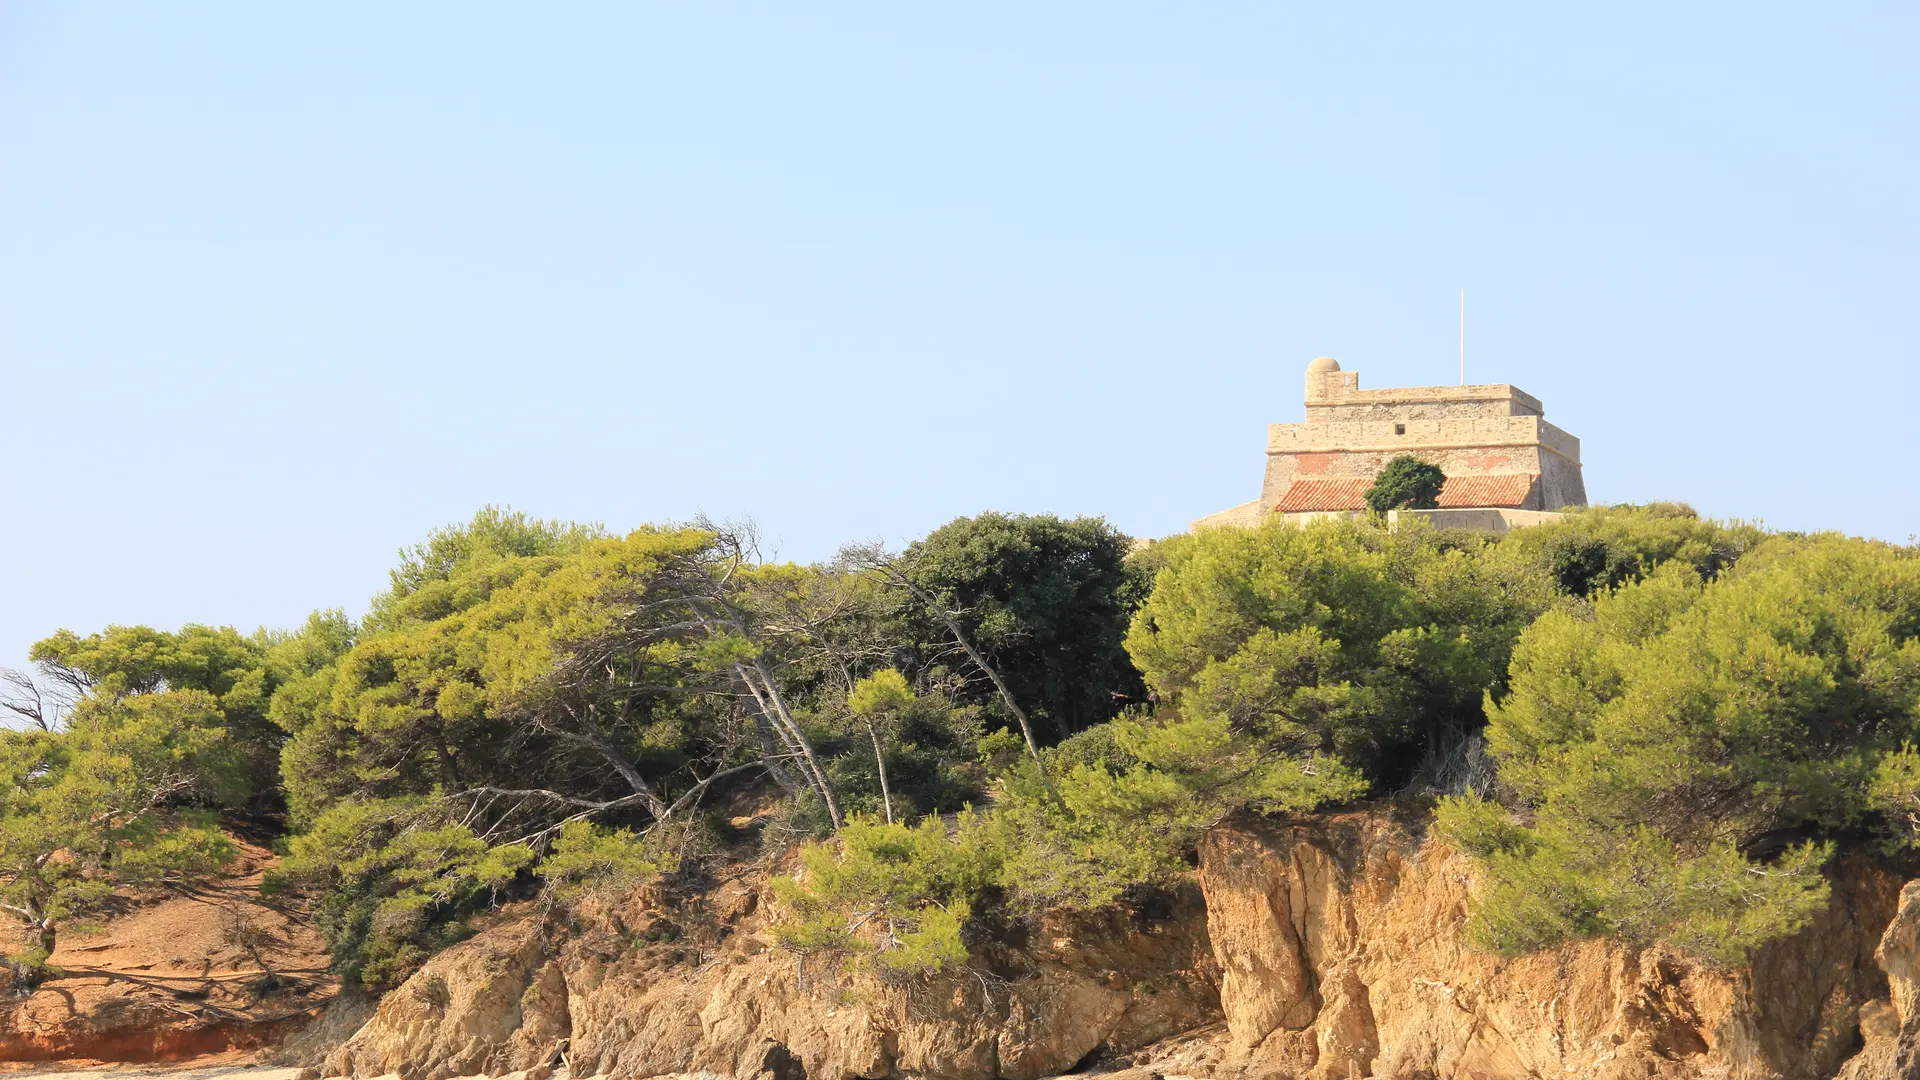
[{"x": 1641, "y": 724}]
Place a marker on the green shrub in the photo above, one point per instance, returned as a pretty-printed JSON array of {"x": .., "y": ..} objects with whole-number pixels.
[
  {"x": 586, "y": 858},
  {"x": 887, "y": 898},
  {"x": 1098, "y": 747},
  {"x": 1129, "y": 818},
  {"x": 1560, "y": 880},
  {"x": 1406, "y": 483},
  {"x": 400, "y": 881},
  {"x": 1047, "y": 599},
  {"x": 1894, "y": 794}
]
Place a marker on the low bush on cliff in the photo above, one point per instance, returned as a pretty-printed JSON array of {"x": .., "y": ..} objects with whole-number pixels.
[
  {"x": 399, "y": 879},
  {"x": 1079, "y": 833},
  {"x": 887, "y": 897},
  {"x": 1109, "y": 810},
  {"x": 1664, "y": 746}
]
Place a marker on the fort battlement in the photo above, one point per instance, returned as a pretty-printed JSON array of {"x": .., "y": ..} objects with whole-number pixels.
[{"x": 1492, "y": 440}]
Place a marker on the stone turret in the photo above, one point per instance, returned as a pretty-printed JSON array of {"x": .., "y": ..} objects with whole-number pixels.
[{"x": 1324, "y": 379}]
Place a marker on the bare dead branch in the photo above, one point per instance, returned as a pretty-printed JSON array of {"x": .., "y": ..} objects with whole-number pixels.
[{"x": 21, "y": 696}]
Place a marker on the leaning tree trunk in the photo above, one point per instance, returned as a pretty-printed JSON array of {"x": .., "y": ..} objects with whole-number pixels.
[
  {"x": 880, "y": 763},
  {"x": 979, "y": 661},
  {"x": 29, "y": 971},
  {"x": 771, "y": 756},
  {"x": 767, "y": 696}
]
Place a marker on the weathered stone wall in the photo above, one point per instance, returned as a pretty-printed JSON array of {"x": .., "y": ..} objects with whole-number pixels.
[
  {"x": 1483, "y": 519},
  {"x": 1414, "y": 410},
  {"x": 1561, "y": 483},
  {"x": 1245, "y": 516},
  {"x": 1564, "y": 489},
  {"x": 1330, "y": 389},
  {"x": 1413, "y": 435}
]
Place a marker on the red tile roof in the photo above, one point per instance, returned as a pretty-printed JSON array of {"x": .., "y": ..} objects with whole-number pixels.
[
  {"x": 1350, "y": 493},
  {"x": 1329, "y": 493},
  {"x": 1507, "y": 489}
]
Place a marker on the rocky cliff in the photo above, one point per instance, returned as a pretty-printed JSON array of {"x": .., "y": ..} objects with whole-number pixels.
[{"x": 1330, "y": 949}]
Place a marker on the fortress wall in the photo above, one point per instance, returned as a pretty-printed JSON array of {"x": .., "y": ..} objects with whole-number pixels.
[
  {"x": 1486, "y": 461},
  {"x": 1560, "y": 483},
  {"x": 1560, "y": 443},
  {"x": 1343, "y": 388},
  {"x": 1244, "y": 516},
  {"x": 1281, "y": 469},
  {"x": 1348, "y": 412},
  {"x": 1422, "y": 436},
  {"x": 1558, "y": 486}
]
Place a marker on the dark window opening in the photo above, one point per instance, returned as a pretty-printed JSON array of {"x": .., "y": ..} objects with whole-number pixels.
[{"x": 1399, "y": 429}]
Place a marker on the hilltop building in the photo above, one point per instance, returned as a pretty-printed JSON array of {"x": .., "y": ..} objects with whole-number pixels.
[{"x": 1505, "y": 465}]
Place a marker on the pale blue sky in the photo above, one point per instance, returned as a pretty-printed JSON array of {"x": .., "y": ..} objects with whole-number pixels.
[{"x": 281, "y": 289}]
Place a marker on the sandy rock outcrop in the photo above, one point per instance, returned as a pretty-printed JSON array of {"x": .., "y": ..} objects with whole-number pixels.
[
  {"x": 662, "y": 987},
  {"x": 491, "y": 1005},
  {"x": 1341, "y": 956},
  {"x": 1328, "y": 950},
  {"x": 1890, "y": 1027}
]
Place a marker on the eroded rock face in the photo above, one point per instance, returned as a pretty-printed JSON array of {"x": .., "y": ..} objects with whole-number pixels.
[
  {"x": 1330, "y": 950},
  {"x": 655, "y": 988},
  {"x": 487, "y": 1005},
  {"x": 1341, "y": 956},
  {"x": 1890, "y": 1027}
]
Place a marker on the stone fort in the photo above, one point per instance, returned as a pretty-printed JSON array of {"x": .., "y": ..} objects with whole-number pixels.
[{"x": 1505, "y": 465}]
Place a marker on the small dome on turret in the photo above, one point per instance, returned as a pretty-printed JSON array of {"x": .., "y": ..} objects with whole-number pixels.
[{"x": 1323, "y": 364}]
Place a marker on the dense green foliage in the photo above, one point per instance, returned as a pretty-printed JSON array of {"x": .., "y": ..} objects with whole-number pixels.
[
  {"x": 240, "y": 672},
  {"x": 1643, "y": 725},
  {"x": 398, "y": 878},
  {"x": 1667, "y": 730},
  {"x": 1406, "y": 483},
  {"x": 1665, "y": 742},
  {"x": 523, "y": 679},
  {"x": 1342, "y": 639},
  {"x": 1048, "y": 599},
  {"x": 1600, "y": 548},
  {"x": 492, "y": 676}
]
